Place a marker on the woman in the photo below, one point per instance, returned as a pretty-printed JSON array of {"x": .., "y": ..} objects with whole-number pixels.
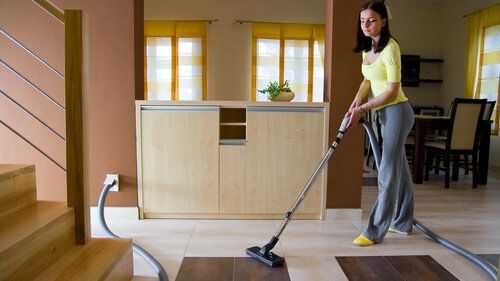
[{"x": 381, "y": 69}]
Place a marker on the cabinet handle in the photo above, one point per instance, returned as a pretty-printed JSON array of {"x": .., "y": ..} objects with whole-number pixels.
[
  {"x": 233, "y": 142},
  {"x": 284, "y": 109},
  {"x": 179, "y": 108}
]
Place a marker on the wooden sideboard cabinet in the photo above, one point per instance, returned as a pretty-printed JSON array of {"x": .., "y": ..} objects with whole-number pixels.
[{"x": 229, "y": 159}]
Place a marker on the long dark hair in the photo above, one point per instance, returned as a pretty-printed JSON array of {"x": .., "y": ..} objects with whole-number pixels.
[{"x": 364, "y": 43}]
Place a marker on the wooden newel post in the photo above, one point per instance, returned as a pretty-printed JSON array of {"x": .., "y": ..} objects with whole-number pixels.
[{"x": 76, "y": 80}]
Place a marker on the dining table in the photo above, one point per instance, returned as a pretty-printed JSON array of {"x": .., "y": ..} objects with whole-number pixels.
[{"x": 426, "y": 123}]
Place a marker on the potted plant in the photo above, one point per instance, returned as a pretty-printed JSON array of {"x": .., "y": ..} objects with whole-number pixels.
[{"x": 275, "y": 92}]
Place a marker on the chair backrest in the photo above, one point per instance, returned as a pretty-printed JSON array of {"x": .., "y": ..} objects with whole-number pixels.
[
  {"x": 465, "y": 117},
  {"x": 430, "y": 112},
  {"x": 488, "y": 110}
]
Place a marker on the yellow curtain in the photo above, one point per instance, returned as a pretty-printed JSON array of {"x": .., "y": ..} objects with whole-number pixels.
[
  {"x": 191, "y": 29},
  {"x": 296, "y": 31},
  {"x": 159, "y": 28},
  {"x": 266, "y": 30},
  {"x": 197, "y": 59},
  {"x": 319, "y": 35},
  {"x": 476, "y": 23}
]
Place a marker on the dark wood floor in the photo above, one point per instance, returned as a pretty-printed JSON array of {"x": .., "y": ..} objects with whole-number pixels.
[
  {"x": 396, "y": 268},
  {"x": 229, "y": 269},
  {"x": 362, "y": 268},
  {"x": 370, "y": 181}
]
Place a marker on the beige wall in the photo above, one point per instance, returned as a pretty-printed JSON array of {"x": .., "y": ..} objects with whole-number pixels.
[
  {"x": 230, "y": 44},
  {"x": 436, "y": 29}
]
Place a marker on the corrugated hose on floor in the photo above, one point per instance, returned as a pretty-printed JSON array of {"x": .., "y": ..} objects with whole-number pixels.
[{"x": 162, "y": 274}]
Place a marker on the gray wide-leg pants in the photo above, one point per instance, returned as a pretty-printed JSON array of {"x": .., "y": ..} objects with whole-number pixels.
[{"x": 395, "y": 195}]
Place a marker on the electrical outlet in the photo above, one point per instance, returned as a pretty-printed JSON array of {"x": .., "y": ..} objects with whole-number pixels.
[{"x": 109, "y": 180}]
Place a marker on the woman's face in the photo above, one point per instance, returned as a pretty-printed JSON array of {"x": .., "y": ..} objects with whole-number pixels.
[{"x": 371, "y": 22}]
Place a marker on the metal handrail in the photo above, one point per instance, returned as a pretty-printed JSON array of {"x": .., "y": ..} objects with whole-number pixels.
[
  {"x": 32, "y": 115},
  {"x": 30, "y": 52},
  {"x": 31, "y": 84},
  {"x": 33, "y": 145}
]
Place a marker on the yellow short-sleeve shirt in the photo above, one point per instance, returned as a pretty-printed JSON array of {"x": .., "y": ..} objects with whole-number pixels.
[{"x": 387, "y": 68}]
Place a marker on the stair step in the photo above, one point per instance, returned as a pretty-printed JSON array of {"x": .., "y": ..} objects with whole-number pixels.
[
  {"x": 33, "y": 238},
  {"x": 100, "y": 259},
  {"x": 17, "y": 188}
]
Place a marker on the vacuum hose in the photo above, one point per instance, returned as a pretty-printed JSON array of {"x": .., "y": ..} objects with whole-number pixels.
[
  {"x": 491, "y": 270},
  {"x": 162, "y": 274}
]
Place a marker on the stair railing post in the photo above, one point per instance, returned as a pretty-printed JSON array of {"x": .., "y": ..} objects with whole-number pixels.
[{"x": 76, "y": 87}]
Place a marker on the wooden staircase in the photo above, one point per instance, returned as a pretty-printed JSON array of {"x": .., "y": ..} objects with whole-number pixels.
[{"x": 37, "y": 238}]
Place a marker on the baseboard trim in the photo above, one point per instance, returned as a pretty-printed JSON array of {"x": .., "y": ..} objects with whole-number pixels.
[
  {"x": 343, "y": 214},
  {"x": 130, "y": 213}
]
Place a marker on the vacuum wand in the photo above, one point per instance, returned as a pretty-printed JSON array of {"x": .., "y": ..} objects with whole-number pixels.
[
  {"x": 263, "y": 254},
  {"x": 312, "y": 180}
]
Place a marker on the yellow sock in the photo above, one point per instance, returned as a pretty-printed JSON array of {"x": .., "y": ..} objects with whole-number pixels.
[{"x": 362, "y": 241}]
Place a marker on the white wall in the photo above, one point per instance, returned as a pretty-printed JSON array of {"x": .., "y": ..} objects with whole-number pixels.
[
  {"x": 229, "y": 49},
  {"x": 417, "y": 27}
]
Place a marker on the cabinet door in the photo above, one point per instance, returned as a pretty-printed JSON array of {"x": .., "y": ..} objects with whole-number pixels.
[
  {"x": 232, "y": 179},
  {"x": 180, "y": 159},
  {"x": 284, "y": 147}
]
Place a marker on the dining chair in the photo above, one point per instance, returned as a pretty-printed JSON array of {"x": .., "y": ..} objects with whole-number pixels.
[
  {"x": 462, "y": 138},
  {"x": 488, "y": 112}
]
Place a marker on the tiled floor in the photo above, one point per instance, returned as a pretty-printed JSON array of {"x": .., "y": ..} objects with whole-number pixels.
[{"x": 468, "y": 217}]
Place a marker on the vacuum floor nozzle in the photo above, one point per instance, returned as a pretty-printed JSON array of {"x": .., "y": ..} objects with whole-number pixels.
[{"x": 269, "y": 259}]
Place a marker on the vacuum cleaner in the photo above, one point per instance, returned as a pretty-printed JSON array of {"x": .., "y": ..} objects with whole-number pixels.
[{"x": 264, "y": 254}]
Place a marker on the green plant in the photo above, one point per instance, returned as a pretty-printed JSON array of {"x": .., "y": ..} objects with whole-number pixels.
[{"x": 273, "y": 89}]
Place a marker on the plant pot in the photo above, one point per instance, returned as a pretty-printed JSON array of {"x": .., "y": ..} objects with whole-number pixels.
[{"x": 283, "y": 96}]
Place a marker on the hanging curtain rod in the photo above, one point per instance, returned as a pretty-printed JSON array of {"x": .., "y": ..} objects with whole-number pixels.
[
  {"x": 209, "y": 21},
  {"x": 252, "y": 21}
]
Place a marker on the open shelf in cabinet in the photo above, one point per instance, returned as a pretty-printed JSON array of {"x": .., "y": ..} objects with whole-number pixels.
[{"x": 232, "y": 123}]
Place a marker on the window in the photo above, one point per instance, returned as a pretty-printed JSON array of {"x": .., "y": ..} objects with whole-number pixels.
[
  {"x": 296, "y": 68},
  {"x": 489, "y": 70},
  {"x": 482, "y": 68},
  {"x": 268, "y": 60},
  {"x": 175, "y": 62},
  {"x": 159, "y": 66},
  {"x": 288, "y": 52},
  {"x": 190, "y": 69}
]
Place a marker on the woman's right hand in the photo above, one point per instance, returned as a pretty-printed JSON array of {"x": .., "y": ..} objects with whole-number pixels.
[{"x": 355, "y": 115}]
